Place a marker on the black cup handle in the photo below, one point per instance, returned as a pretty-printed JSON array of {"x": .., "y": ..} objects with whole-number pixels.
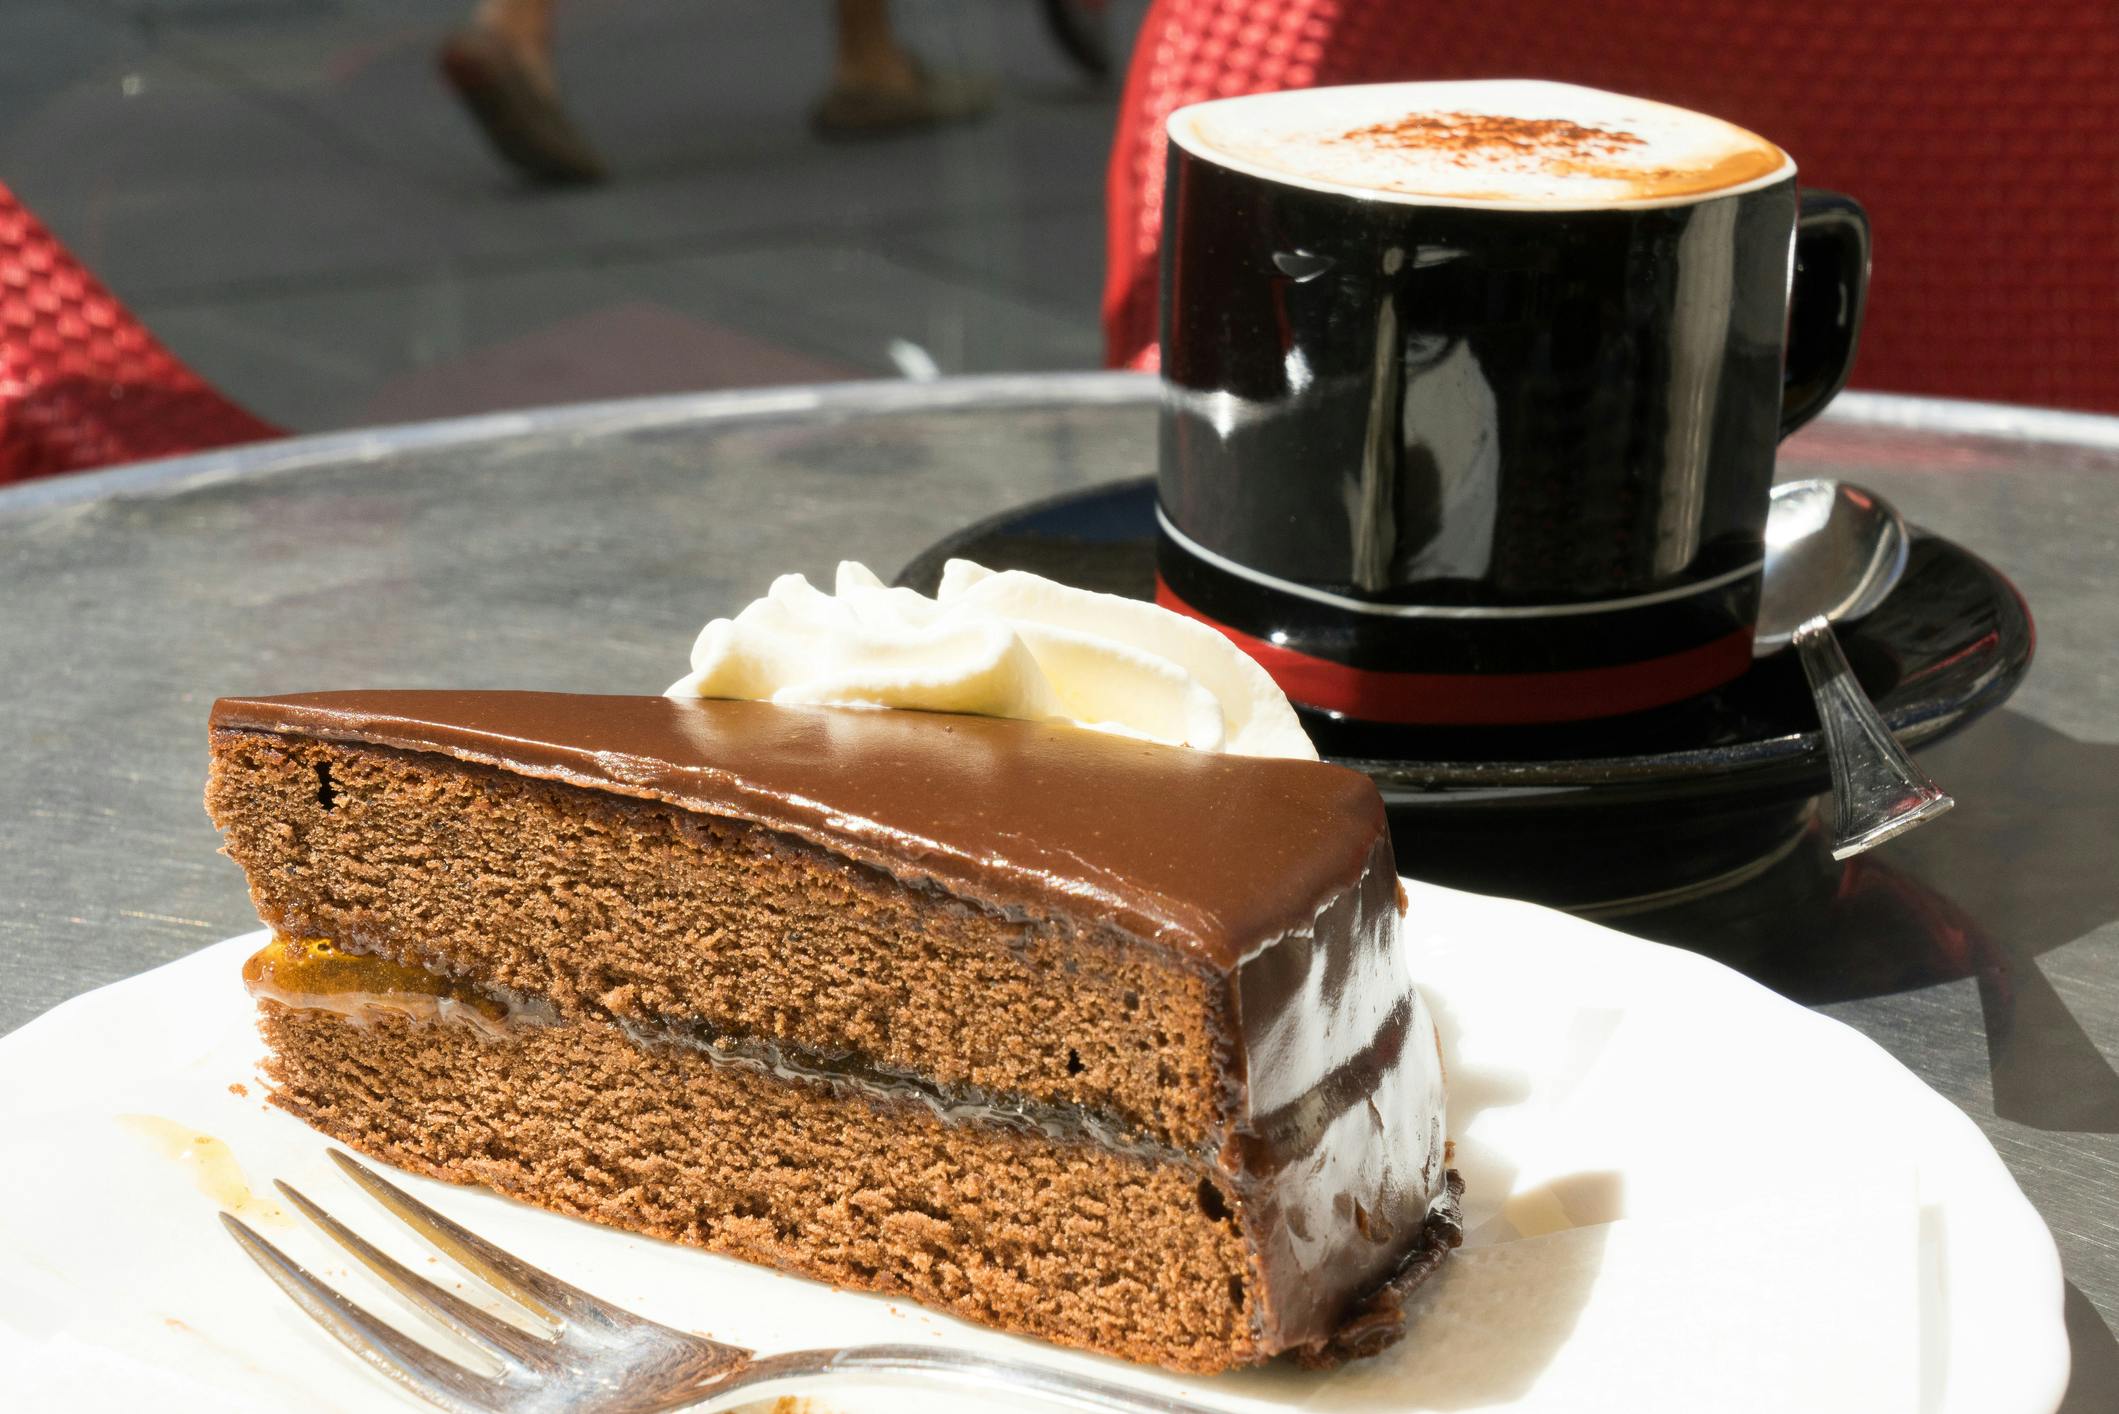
[{"x": 1825, "y": 303}]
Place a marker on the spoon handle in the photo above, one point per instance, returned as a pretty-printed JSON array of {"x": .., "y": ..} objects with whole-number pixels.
[{"x": 1877, "y": 791}]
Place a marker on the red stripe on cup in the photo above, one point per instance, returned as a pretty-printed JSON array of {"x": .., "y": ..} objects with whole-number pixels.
[{"x": 1486, "y": 699}]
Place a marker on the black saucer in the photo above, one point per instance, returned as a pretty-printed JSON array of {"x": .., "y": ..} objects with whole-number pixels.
[{"x": 1605, "y": 816}]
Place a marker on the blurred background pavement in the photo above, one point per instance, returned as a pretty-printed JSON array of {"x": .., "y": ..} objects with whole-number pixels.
[{"x": 287, "y": 195}]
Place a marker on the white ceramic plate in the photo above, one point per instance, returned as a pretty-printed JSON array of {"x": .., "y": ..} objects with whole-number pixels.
[{"x": 1684, "y": 1193}]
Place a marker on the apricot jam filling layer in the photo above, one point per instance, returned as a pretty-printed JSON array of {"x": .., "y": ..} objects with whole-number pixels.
[{"x": 314, "y": 974}]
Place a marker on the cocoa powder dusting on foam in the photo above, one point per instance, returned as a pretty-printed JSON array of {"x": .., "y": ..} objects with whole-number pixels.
[
  {"x": 1477, "y": 138},
  {"x": 1552, "y": 148}
]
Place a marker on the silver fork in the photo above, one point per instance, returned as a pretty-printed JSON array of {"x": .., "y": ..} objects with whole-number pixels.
[{"x": 594, "y": 1357}]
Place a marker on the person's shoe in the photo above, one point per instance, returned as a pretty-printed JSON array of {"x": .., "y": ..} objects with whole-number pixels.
[
  {"x": 517, "y": 110},
  {"x": 850, "y": 112}
]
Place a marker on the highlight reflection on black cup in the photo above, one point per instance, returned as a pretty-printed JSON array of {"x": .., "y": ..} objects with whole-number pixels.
[{"x": 1473, "y": 390}]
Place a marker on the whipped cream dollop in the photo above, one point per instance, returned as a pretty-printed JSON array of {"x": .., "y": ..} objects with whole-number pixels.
[{"x": 998, "y": 644}]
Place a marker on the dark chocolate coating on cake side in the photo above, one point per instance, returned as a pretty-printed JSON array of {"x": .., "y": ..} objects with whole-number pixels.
[{"x": 1275, "y": 876}]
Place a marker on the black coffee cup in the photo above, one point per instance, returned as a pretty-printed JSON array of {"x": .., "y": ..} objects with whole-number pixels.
[{"x": 1473, "y": 391}]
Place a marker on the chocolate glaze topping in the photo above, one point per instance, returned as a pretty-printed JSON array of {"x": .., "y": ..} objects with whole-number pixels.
[
  {"x": 1275, "y": 875},
  {"x": 1196, "y": 851}
]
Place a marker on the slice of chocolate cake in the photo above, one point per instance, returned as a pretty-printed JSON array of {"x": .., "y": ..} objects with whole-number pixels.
[{"x": 1098, "y": 1040}]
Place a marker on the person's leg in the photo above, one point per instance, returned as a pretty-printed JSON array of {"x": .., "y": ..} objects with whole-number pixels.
[
  {"x": 869, "y": 56},
  {"x": 879, "y": 87},
  {"x": 1082, "y": 31},
  {"x": 500, "y": 64},
  {"x": 526, "y": 26}
]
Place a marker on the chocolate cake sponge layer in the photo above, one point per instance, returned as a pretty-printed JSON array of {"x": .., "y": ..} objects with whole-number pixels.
[
  {"x": 609, "y": 907},
  {"x": 1074, "y": 1243}
]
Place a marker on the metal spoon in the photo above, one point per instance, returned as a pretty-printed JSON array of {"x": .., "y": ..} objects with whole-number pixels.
[{"x": 1833, "y": 551}]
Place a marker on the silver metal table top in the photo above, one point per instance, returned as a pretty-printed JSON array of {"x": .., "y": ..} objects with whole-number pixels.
[{"x": 581, "y": 549}]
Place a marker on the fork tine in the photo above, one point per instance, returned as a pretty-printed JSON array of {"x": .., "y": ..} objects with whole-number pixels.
[
  {"x": 508, "y": 1342},
  {"x": 389, "y": 1350},
  {"x": 537, "y": 1291}
]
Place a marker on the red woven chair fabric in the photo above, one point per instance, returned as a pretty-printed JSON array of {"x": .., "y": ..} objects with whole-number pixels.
[
  {"x": 1983, "y": 139},
  {"x": 82, "y": 382}
]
